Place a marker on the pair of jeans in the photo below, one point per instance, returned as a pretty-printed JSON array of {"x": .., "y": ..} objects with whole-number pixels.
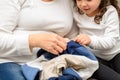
[{"x": 11, "y": 71}]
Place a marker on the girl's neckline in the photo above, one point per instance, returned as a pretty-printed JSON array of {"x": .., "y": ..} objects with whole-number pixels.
[{"x": 88, "y": 16}]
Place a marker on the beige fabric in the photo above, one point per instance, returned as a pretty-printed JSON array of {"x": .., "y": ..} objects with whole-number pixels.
[{"x": 54, "y": 67}]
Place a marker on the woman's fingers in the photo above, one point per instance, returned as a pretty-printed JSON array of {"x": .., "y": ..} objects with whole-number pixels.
[
  {"x": 52, "y": 43},
  {"x": 61, "y": 45},
  {"x": 55, "y": 48},
  {"x": 57, "y": 44}
]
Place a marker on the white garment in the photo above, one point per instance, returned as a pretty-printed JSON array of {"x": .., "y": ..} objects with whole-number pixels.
[
  {"x": 105, "y": 37},
  {"x": 35, "y": 16}
]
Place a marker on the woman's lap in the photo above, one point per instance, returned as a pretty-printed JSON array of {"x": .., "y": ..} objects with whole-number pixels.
[{"x": 10, "y": 71}]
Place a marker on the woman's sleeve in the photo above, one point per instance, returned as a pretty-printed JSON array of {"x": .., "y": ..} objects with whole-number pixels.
[
  {"x": 111, "y": 34},
  {"x": 11, "y": 44}
]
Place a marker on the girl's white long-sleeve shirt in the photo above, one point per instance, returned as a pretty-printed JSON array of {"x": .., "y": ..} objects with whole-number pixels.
[
  {"x": 18, "y": 20},
  {"x": 105, "y": 37}
]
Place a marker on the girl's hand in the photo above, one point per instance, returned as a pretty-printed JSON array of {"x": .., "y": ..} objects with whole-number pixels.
[
  {"x": 52, "y": 43},
  {"x": 83, "y": 39}
]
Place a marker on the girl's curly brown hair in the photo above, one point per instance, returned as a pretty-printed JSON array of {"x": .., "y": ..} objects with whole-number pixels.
[{"x": 102, "y": 8}]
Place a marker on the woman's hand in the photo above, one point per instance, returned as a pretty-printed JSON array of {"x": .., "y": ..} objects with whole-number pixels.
[
  {"x": 52, "y": 43},
  {"x": 83, "y": 39}
]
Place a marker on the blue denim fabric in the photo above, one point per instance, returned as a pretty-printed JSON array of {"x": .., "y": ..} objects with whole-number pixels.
[
  {"x": 11, "y": 71},
  {"x": 34, "y": 72}
]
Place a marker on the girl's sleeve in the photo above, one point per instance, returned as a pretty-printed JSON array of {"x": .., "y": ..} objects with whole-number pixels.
[
  {"x": 11, "y": 44},
  {"x": 111, "y": 34}
]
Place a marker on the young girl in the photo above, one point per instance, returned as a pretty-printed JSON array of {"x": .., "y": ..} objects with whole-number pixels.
[{"x": 98, "y": 21}]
